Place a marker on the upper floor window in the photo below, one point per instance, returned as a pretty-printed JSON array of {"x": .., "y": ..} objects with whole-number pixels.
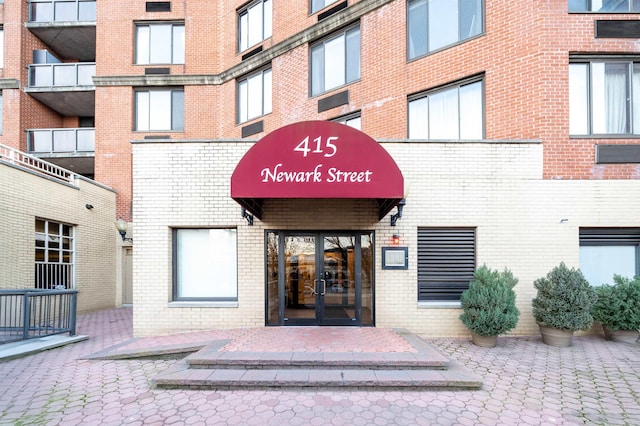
[
  {"x": 453, "y": 112},
  {"x": 54, "y": 255},
  {"x": 351, "y": 120},
  {"x": 435, "y": 24},
  {"x": 606, "y": 6},
  {"x": 159, "y": 110},
  {"x": 604, "y": 98},
  {"x": 335, "y": 61},
  {"x": 0, "y": 112},
  {"x": 161, "y": 43},
  {"x": 254, "y": 96},
  {"x": 317, "y": 5},
  {"x": 1, "y": 47},
  {"x": 254, "y": 22}
]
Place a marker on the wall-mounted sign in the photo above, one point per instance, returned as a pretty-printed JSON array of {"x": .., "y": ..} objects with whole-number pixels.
[
  {"x": 395, "y": 257},
  {"x": 317, "y": 159}
]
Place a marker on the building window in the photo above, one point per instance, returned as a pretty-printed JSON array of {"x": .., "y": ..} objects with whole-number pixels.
[
  {"x": 351, "y": 120},
  {"x": 205, "y": 264},
  {"x": 161, "y": 43},
  {"x": 0, "y": 112},
  {"x": 446, "y": 263},
  {"x": 317, "y": 5},
  {"x": 604, "y": 98},
  {"x": 335, "y": 61},
  {"x": 1, "y": 47},
  {"x": 453, "y": 112},
  {"x": 254, "y": 22},
  {"x": 434, "y": 24},
  {"x": 158, "y": 110},
  {"x": 608, "y": 251},
  {"x": 254, "y": 96},
  {"x": 54, "y": 256},
  {"x": 615, "y": 6}
]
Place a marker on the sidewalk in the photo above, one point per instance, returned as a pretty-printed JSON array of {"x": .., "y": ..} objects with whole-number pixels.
[{"x": 524, "y": 382}]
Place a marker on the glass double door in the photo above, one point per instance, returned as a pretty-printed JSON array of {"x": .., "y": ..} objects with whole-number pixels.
[{"x": 319, "y": 278}]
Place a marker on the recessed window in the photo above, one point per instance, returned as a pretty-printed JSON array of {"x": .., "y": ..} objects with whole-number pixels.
[
  {"x": 608, "y": 251},
  {"x": 453, "y": 112},
  {"x": 604, "y": 6},
  {"x": 159, "y": 110},
  {"x": 160, "y": 43},
  {"x": 254, "y": 96},
  {"x": 54, "y": 255},
  {"x": 335, "y": 61},
  {"x": 317, "y": 5},
  {"x": 1, "y": 47},
  {"x": 604, "y": 98},
  {"x": 254, "y": 24},
  {"x": 205, "y": 264},
  {"x": 435, "y": 24},
  {"x": 351, "y": 120}
]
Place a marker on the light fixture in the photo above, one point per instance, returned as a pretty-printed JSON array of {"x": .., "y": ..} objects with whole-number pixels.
[
  {"x": 88, "y": 206},
  {"x": 121, "y": 226},
  {"x": 396, "y": 216},
  {"x": 395, "y": 240},
  {"x": 247, "y": 216}
]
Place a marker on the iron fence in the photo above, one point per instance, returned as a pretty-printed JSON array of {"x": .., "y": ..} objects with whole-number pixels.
[{"x": 31, "y": 313}]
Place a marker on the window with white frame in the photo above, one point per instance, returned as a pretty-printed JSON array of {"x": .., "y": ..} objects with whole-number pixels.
[
  {"x": 205, "y": 264},
  {"x": 452, "y": 112},
  {"x": 335, "y": 61},
  {"x": 159, "y": 43},
  {"x": 317, "y": 5},
  {"x": 608, "y": 251},
  {"x": 254, "y": 96},
  {"x": 351, "y": 120},
  {"x": 435, "y": 24},
  {"x": 254, "y": 24},
  {"x": 604, "y": 6},
  {"x": 604, "y": 97},
  {"x": 54, "y": 255},
  {"x": 159, "y": 110}
]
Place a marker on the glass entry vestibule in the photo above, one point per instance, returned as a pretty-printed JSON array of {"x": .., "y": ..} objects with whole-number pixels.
[{"x": 319, "y": 278}]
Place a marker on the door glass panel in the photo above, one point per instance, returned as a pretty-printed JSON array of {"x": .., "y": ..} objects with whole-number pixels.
[
  {"x": 300, "y": 277},
  {"x": 367, "y": 279},
  {"x": 339, "y": 278},
  {"x": 272, "y": 279}
]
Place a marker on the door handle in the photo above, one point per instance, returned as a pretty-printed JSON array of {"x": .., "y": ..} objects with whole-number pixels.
[{"x": 324, "y": 288}]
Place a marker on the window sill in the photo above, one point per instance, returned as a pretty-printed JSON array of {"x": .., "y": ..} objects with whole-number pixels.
[
  {"x": 439, "y": 305},
  {"x": 203, "y": 304}
]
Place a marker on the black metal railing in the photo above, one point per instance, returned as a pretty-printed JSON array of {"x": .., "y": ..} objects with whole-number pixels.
[{"x": 30, "y": 313}]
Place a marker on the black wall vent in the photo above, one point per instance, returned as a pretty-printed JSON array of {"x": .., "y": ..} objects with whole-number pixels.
[
  {"x": 252, "y": 129},
  {"x": 335, "y": 9},
  {"x": 158, "y": 6},
  {"x": 617, "y": 154},
  {"x": 333, "y": 101},
  {"x": 617, "y": 29},
  {"x": 156, "y": 71},
  {"x": 253, "y": 52}
]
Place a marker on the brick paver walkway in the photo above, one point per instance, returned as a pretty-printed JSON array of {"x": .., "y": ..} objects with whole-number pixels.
[{"x": 525, "y": 383}]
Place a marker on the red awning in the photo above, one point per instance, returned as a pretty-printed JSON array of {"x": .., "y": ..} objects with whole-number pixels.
[{"x": 317, "y": 159}]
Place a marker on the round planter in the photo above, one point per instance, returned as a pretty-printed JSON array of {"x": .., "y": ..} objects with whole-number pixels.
[
  {"x": 621, "y": 336},
  {"x": 484, "y": 341},
  {"x": 555, "y": 337}
]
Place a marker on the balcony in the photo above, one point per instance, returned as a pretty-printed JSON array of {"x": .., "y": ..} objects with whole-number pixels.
[
  {"x": 68, "y": 27},
  {"x": 64, "y": 87},
  {"x": 72, "y": 149}
]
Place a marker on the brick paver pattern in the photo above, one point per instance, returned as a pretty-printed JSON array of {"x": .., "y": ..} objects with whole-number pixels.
[{"x": 524, "y": 383}]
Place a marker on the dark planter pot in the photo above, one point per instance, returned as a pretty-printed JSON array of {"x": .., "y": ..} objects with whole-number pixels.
[
  {"x": 555, "y": 337},
  {"x": 621, "y": 336},
  {"x": 484, "y": 341}
]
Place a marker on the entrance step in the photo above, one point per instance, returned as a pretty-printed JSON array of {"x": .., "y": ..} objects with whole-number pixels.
[{"x": 423, "y": 369}]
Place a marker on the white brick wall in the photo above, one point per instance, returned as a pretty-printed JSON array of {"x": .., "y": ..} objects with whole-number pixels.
[{"x": 496, "y": 187}]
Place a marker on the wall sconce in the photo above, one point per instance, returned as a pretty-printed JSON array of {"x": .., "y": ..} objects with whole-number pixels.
[
  {"x": 395, "y": 240},
  {"x": 247, "y": 216},
  {"x": 88, "y": 206},
  {"x": 121, "y": 226},
  {"x": 396, "y": 216}
]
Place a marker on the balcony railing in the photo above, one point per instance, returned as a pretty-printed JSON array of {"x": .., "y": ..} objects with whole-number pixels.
[
  {"x": 29, "y": 162},
  {"x": 62, "y": 75},
  {"x": 28, "y": 314},
  {"x": 62, "y": 10},
  {"x": 54, "y": 141}
]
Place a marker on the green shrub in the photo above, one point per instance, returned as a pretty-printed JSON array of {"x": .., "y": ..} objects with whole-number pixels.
[
  {"x": 490, "y": 303},
  {"x": 564, "y": 300},
  {"x": 618, "y": 305}
]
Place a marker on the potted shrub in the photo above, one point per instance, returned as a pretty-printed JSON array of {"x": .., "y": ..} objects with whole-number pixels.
[
  {"x": 489, "y": 305},
  {"x": 563, "y": 305},
  {"x": 618, "y": 309}
]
